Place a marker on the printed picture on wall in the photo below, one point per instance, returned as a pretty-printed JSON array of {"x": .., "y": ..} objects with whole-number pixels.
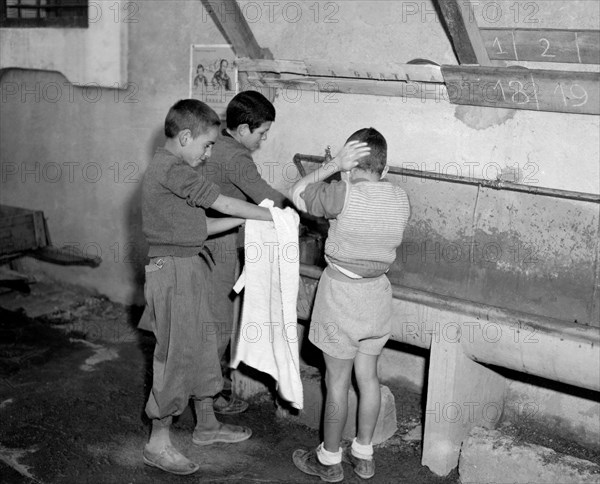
[{"x": 213, "y": 75}]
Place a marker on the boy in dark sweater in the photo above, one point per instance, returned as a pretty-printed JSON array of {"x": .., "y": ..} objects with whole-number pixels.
[
  {"x": 231, "y": 167},
  {"x": 186, "y": 364}
]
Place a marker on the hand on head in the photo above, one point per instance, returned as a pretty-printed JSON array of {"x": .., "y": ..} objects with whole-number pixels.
[{"x": 348, "y": 156}]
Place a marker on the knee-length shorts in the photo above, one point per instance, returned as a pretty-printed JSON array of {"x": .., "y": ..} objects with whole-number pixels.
[{"x": 351, "y": 315}]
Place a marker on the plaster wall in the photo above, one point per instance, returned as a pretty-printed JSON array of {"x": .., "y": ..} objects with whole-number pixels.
[
  {"x": 573, "y": 416},
  {"x": 94, "y": 56},
  {"x": 567, "y": 411},
  {"x": 78, "y": 152}
]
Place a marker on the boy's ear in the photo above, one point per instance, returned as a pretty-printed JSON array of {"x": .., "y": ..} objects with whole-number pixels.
[
  {"x": 243, "y": 129},
  {"x": 184, "y": 136},
  {"x": 385, "y": 171}
]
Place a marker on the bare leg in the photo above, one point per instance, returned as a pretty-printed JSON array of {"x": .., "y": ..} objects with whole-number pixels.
[
  {"x": 337, "y": 379},
  {"x": 365, "y": 369},
  {"x": 205, "y": 415},
  {"x": 160, "y": 435},
  {"x": 209, "y": 430}
]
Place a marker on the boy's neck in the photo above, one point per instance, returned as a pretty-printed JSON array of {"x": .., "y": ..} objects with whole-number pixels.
[
  {"x": 172, "y": 145},
  {"x": 364, "y": 175},
  {"x": 234, "y": 134}
]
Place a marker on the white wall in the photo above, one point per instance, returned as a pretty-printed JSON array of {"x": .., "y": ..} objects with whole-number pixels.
[{"x": 93, "y": 56}]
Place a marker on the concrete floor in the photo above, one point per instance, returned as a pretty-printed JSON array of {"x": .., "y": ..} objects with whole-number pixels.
[{"x": 75, "y": 378}]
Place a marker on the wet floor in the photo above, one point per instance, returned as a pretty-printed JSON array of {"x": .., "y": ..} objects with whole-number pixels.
[{"x": 74, "y": 381}]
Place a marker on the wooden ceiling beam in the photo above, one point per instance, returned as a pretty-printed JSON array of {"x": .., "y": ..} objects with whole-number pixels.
[
  {"x": 519, "y": 88},
  {"x": 542, "y": 45},
  {"x": 229, "y": 19},
  {"x": 316, "y": 68},
  {"x": 461, "y": 24}
]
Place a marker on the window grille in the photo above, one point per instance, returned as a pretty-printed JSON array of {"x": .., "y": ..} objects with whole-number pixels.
[{"x": 44, "y": 13}]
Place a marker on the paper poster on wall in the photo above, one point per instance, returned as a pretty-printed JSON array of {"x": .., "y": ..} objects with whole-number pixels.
[{"x": 213, "y": 75}]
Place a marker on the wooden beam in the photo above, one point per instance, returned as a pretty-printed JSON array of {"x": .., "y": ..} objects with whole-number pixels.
[
  {"x": 521, "y": 88},
  {"x": 461, "y": 394},
  {"x": 464, "y": 32},
  {"x": 326, "y": 89},
  {"x": 543, "y": 45},
  {"x": 229, "y": 19},
  {"x": 371, "y": 72},
  {"x": 326, "y": 80}
]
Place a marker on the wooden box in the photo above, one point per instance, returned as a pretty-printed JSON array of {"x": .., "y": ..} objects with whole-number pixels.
[{"x": 21, "y": 230}]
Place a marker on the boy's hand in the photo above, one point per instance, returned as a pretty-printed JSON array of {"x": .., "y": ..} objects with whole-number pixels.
[
  {"x": 349, "y": 155},
  {"x": 266, "y": 214}
]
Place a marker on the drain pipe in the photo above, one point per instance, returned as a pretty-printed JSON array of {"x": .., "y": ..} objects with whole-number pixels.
[{"x": 494, "y": 184}]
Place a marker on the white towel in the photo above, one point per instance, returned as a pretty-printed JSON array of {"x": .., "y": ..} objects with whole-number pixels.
[{"x": 268, "y": 338}]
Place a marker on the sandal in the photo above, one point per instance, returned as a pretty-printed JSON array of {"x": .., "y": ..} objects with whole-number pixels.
[
  {"x": 229, "y": 405},
  {"x": 170, "y": 460},
  {"x": 226, "y": 433}
]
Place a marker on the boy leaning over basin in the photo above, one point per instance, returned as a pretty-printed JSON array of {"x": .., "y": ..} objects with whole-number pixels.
[
  {"x": 231, "y": 166},
  {"x": 186, "y": 363},
  {"x": 367, "y": 216}
]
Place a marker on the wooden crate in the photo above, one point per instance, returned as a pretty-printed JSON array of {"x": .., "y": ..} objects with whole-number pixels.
[{"x": 21, "y": 230}]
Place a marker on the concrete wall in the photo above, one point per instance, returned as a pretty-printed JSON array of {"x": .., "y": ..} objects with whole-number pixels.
[
  {"x": 79, "y": 155},
  {"x": 95, "y": 56}
]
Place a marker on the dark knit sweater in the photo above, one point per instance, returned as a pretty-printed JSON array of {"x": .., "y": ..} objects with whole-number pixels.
[
  {"x": 174, "y": 196},
  {"x": 231, "y": 167}
]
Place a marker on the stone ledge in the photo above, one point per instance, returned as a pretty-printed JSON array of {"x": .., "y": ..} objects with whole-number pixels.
[{"x": 488, "y": 456}]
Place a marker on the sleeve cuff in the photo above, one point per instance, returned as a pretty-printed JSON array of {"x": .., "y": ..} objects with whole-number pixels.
[
  {"x": 298, "y": 200},
  {"x": 211, "y": 196}
]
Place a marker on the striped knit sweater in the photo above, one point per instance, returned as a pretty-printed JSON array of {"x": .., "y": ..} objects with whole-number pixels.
[{"x": 364, "y": 237}]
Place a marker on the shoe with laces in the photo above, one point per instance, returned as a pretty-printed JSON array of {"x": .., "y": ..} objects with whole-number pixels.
[
  {"x": 308, "y": 462},
  {"x": 364, "y": 468}
]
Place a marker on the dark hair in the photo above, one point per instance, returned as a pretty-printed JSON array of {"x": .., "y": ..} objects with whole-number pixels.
[
  {"x": 251, "y": 108},
  {"x": 190, "y": 114},
  {"x": 377, "y": 158}
]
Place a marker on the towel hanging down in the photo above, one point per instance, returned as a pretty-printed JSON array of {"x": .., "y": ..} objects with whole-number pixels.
[{"x": 267, "y": 338}]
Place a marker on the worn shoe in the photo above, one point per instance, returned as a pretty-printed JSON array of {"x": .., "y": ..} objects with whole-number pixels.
[
  {"x": 227, "y": 404},
  {"x": 364, "y": 468},
  {"x": 226, "y": 433},
  {"x": 308, "y": 462},
  {"x": 169, "y": 459}
]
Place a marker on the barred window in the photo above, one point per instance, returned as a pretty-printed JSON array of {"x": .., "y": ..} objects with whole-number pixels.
[{"x": 44, "y": 13}]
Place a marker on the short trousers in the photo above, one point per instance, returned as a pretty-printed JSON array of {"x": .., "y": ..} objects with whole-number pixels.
[
  {"x": 186, "y": 362},
  {"x": 351, "y": 315}
]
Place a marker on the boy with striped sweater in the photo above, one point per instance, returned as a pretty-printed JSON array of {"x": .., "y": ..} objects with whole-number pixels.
[{"x": 351, "y": 320}]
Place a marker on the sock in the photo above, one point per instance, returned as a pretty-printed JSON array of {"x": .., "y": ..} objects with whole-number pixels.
[
  {"x": 362, "y": 451},
  {"x": 328, "y": 458}
]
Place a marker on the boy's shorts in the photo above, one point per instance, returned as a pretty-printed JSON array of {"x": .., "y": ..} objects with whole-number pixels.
[
  {"x": 186, "y": 362},
  {"x": 351, "y": 315}
]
